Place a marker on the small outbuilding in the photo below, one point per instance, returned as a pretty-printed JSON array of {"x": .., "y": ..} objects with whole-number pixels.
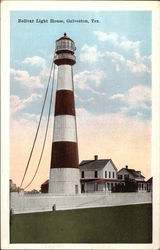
[{"x": 44, "y": 187}]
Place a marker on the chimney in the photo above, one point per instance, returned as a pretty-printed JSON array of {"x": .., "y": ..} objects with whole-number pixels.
[
  {"x": 96, "y": 157},
  {"x": 126, "y": 167}
]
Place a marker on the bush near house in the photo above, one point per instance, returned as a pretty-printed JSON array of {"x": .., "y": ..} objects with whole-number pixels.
[{"x": 129, "y": 185}]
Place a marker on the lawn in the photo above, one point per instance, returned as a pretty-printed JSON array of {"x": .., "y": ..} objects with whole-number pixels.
[{"x": 123, "y": 224}]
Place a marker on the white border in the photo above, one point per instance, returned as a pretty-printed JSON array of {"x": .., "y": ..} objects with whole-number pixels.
[{"x": 7, "y": 6}]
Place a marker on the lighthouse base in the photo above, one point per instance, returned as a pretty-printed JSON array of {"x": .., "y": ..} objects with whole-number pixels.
[{"x": 64, "y": 181}]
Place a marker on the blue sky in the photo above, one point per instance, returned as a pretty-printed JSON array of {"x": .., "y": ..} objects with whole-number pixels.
[
  {"x": 112, "y": 82},
  {"x": 113, "y": 58}
]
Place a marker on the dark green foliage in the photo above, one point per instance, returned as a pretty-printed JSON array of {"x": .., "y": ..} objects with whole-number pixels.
[
  {"x": 127, "y": 186},
  {"x": 124, "y": 224},
  {"x": 119, "y": 188},
  {"x": 130, "y": 185}
]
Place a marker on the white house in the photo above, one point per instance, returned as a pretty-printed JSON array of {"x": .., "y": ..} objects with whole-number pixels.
[
  {"x": 100, "y": 175},
  {"x": 97, "y": 175},
  {"x": 132, "y": 174}
]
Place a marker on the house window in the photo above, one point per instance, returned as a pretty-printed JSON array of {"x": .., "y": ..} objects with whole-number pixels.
[
  {"x": 120, "y": 176},
  {"x": 105, "y": 174},
  {"x": 82, "y": 188},
  {"x": 109, "y": 174},
  {"x": 95, "y": 174},
  {"x": 82, "y": 174},
  {"x": 113, "y": 174},
  {"x": 126, "y": 176}
]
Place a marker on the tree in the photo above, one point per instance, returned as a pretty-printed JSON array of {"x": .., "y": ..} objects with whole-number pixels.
[{"x": 128, "y": 185}]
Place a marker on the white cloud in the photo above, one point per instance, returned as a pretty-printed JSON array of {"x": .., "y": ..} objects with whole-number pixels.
[
  {"x": 89, "y": 100},
  {"x": 138, "y": 64},
  {"x": 90, "y": 54},
  {"x": 134, "y": 67},
  {"x": 115, "y": 56},
  {"x": 128, "y": 45},
  {"x": 30, "y": 116},
  {"x": 117, "y": 68},
  {"x": 96, "y": 76},
  {"x": 17, "y": 104},
  {"x": 102, "y": 36},
  {"x": 118, "y": 41},
  {"x": 35, "y": 61},
  {"x": 24, "y": 78},
  {"x": 147, "y": 59},
  {"x": 84, "y": 79},
  {"x": 32, "y": 98},
  {"x": 116, "y": 96},
  {"x": 136, "y": 97}
]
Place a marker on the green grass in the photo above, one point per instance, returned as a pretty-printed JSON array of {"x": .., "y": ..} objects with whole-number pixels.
[{"x": 123, "y": 224}]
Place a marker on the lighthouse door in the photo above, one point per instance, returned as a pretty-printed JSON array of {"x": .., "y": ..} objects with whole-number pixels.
[{"x": 76, "y": 189}]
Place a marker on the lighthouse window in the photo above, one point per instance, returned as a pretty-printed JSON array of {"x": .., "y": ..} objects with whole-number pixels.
[
  {"x": 113, "y": 174},
  {"x": 60, "y": 43},
  {"x": 70, "y": 44},
  {"x": 67, "y": 43},
  {"x": 109, "y": 174},
  {"x": 63, "y": 43}
]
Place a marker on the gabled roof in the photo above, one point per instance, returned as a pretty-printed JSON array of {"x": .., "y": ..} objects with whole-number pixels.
[
  {"x": 150, "y": 180},
  {"x": 45, "y": 183},
  {"x": 133, "y": 172},
  {"x": 95, "y": 164}
]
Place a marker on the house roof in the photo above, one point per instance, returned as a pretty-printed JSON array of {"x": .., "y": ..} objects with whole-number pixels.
[
  {"x": 45, "y": 183},
  {"x": 133, "y": 172},
  {"x": 95, "y": 164},
  {"x": 150, "y": 180}
]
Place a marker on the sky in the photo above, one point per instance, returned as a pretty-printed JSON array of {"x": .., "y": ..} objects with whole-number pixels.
[{"x": 112, "y": 84}]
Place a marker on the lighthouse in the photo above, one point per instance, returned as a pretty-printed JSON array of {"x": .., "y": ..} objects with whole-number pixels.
[{"x": 64, "y": 168}]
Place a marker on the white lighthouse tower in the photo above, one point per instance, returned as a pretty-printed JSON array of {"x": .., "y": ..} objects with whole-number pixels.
[{"x": 64, "y": 168}]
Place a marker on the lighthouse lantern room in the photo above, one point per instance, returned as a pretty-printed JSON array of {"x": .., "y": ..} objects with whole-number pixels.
[{"x": 64, "y": 168}]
